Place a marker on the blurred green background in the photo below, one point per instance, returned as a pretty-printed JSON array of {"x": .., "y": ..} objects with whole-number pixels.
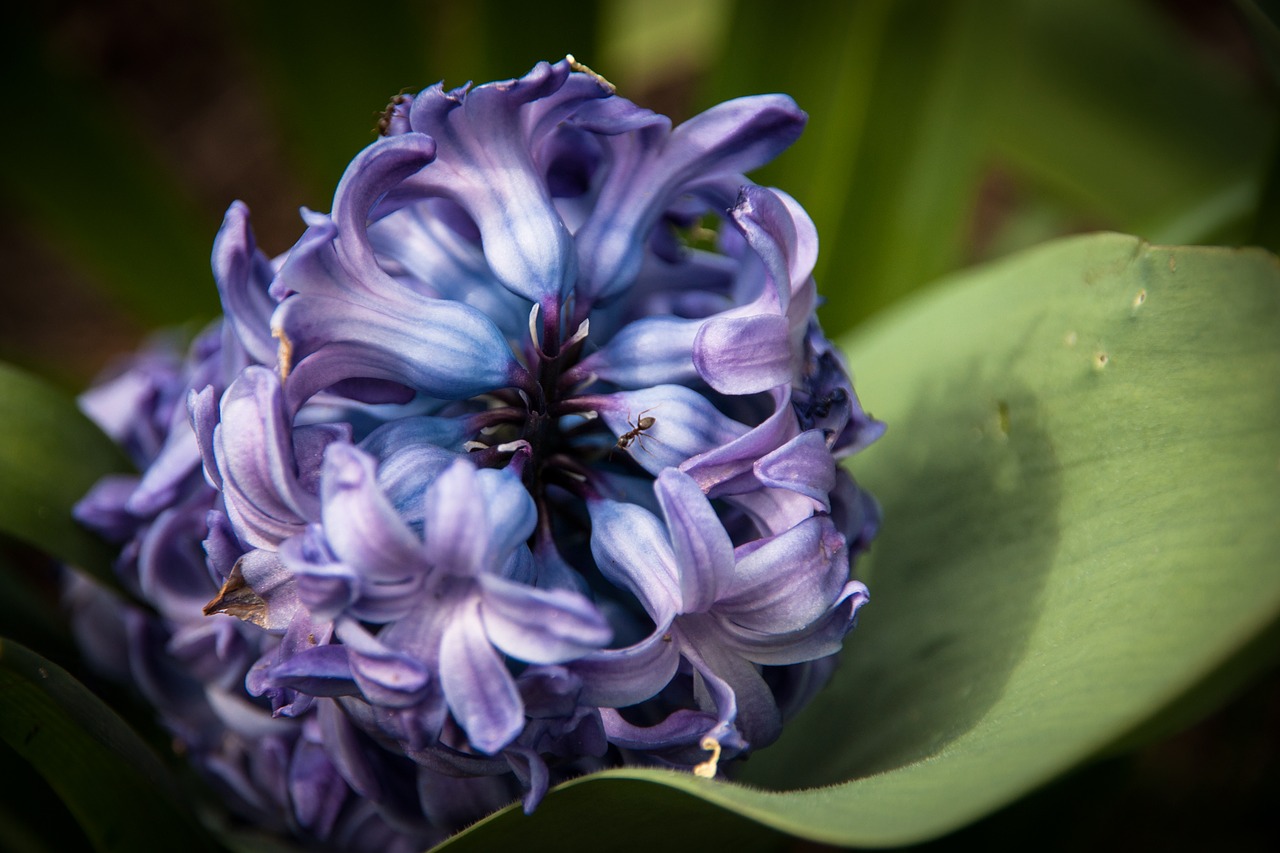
[{"x": 942, "y": 133}]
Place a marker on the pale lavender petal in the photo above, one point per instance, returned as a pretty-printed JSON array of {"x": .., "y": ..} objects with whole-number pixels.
[
  {"x": 540, "y": 626},
  {"x": 804, "y": 465},
  {"x": 685, "y": 424},
  {"x": 616, "y": 678},
  {"x": 703, "y": 552},
  {"x": 744, "y": 354},
  {"x": 632, "y": 550},
  {"x": 481, "y": 693},
  {"x": 788, "y": 581}
]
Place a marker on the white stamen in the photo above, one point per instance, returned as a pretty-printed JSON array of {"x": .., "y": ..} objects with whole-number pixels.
[
  {"x": 533, "y": 327},
  {"x": 472, "y": 446},
  {"x": 583, "y": 329}
]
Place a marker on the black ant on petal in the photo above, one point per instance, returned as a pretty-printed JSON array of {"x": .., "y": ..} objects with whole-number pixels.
[{"x": 636, "y": 433}]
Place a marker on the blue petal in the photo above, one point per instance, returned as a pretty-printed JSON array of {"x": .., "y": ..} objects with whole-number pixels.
[{"x": 631, "y": 549}]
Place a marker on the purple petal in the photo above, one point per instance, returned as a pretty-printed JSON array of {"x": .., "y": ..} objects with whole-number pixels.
[
  {"x": 255, "y": 457},
  {"x": 480, "y": 692},
  {"x": 631, "y": 548},
  {"x": 685, "y": 424},
  {"x": 646, "y": 175},
  {"x": 316, "y": 788},
  {"x": 803, "y": 464},
  {"x": 744, "y": 355},
  {"x": 485, "y": 165},
  {"x": 823, "y": 637},
  {"x": 733, "y": 683},
  {"x": 540, "y": 626},
  {"x": 616, "y": 678},
  {"x": 703, "y": 552},
  {"x": 361, "y": 526},
  {"x": 680, "y": 728},
  {"x": 243, "y": 275},
  {"x": 788, "y": 581},
  {"x": 649, "y": 351},
  {"x": 385, "y": 676},
  {"x": 441, "y": 348}
]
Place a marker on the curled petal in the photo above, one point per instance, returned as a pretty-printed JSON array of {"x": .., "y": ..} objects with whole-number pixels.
[
  {"x": 244, "y": 274},
  {"x": 540, "y": 626},
  {"x": 804, "y": 465},
  {"x": 744, "y": 355},
  {"x": 616, "y": 678},
  {"x": 788, "y": 581},
  {"x": 821, "y": 638},
  {"x": 254, "y": 453},
  {"x": 361, "y": 526}
]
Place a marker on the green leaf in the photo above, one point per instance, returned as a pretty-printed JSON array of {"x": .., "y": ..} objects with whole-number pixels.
[
  {"x": 113, "y": 784},
  {"x": 1080, "y": 483},
  {"x": 50, "y": 454}
]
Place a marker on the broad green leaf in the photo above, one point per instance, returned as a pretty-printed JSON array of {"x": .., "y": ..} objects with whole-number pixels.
[
  {"x": 109, "y": 779},
  {"x": 50, "y": 454},
  {"x": 1080, "y": 482}
]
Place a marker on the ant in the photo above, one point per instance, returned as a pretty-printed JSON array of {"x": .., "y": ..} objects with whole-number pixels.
[{"x": 636, "y": 433}]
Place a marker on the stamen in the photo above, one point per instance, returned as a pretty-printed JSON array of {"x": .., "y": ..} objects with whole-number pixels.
[
  {"x": 533, "y": 328},
  {"x": 578, "y": 66},
  {"x": 285, "y": 353},
  {"x": 707, "y": 769},
  {"x": 472, "y": 446},
  {"x": 581, "y": 335}
]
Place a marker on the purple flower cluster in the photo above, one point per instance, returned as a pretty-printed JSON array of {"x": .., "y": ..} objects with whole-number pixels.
[{"x": 522, "y": 462}]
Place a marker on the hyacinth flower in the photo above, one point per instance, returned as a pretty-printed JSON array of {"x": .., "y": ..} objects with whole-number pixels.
[{"x": 521, "y": 463}]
